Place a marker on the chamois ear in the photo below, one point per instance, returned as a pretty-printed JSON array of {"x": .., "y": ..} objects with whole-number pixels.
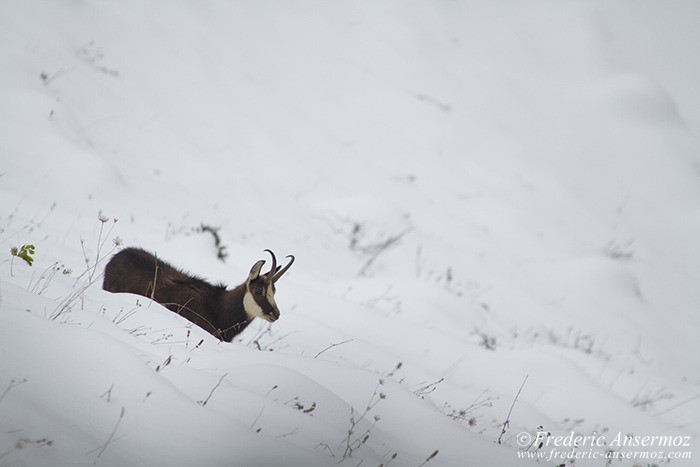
[{"x": 255, "y": 270}]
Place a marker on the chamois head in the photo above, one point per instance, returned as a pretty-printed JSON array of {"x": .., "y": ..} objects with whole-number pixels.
[{"x": 259, "y": 297}]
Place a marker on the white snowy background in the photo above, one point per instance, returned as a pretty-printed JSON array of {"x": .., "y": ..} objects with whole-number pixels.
[{"x": 476, "y": 192}]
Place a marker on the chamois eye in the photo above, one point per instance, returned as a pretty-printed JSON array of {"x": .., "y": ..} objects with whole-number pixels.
[{"x": 258, "y": 290}]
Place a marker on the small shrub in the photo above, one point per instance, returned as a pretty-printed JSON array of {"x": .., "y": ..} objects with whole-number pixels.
[
  {"x": 221, "y": 252},
  {"x": 356, "y": 439}
]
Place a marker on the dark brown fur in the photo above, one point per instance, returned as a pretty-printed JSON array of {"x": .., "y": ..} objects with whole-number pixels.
[{"x": 211, "y": 307}]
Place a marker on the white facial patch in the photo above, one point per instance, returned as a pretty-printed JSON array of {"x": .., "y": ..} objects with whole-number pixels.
[{"x": 251, "y": 308}]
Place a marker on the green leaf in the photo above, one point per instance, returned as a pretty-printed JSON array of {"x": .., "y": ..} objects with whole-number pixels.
[{"x": 25, "y": 252}]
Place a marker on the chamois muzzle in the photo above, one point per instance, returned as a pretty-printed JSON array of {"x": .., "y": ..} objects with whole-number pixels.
[{"x": 273, "y": 316}]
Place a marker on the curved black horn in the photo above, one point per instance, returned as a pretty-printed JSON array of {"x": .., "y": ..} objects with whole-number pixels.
[
  {"x": 269, "y": 276},
  {"x": 279, "y": 274}
]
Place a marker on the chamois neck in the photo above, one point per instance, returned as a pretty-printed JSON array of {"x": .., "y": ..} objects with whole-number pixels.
[{"x": 234, "y": 318}]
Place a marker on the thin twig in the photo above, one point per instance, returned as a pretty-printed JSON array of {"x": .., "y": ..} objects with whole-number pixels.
[
  {"x": 674, "y": 407},
  {"x": 507, "y": 422},
  {"x": 155, "y": 280},
  {"x": 252, "y": 425},
  {"x": 13, "y": 383},
  {"x": 293, "y": 432},
  {"x": 353, "y": 444},
  {"x": 429, "y": 458},
  {"x": 108, "y": 393},
  {"x": 428, "y": 388},
  {"x": 333, "y": 345},
  {"x": 377, "y": 249},
  {"x": 109, "y": 440},
  {"x": 204, "y": 402}
]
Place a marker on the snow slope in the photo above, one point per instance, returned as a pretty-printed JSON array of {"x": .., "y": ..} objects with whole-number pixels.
[{"x": 485, "y": 199}]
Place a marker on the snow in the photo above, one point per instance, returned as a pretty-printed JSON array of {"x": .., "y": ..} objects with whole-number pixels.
[{"x": 476, "y": 193}]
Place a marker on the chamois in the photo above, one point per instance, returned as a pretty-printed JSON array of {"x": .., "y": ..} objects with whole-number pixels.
[{"x": 221, "y": 312}]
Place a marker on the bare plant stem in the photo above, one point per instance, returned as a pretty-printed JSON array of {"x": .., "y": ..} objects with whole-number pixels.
[
  {"x": 204, "y": 402},
  {"x": 350, "y": 443},
  {"x": 47, "y": 275},
  {"x": 90, "y": 270},
  {"x": 428, "y": 388},
  {"x": 13, "y": 384},
  {"x": 111, "y": 437},
  {"x": 373, "y": 251},
  {"x": 108, "y": 393},
  {"x": 333, "y": 345},
  {"x": 67, "y": 302},
  {"x": 429, "y": 458},
  {"x": 674, "y": 407},
  {"x": 90, "y": 275},
  {"x": 506, "y": 424},
  {"x": 155, "y": 282},
  {"x": 252, "y": 425}
]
